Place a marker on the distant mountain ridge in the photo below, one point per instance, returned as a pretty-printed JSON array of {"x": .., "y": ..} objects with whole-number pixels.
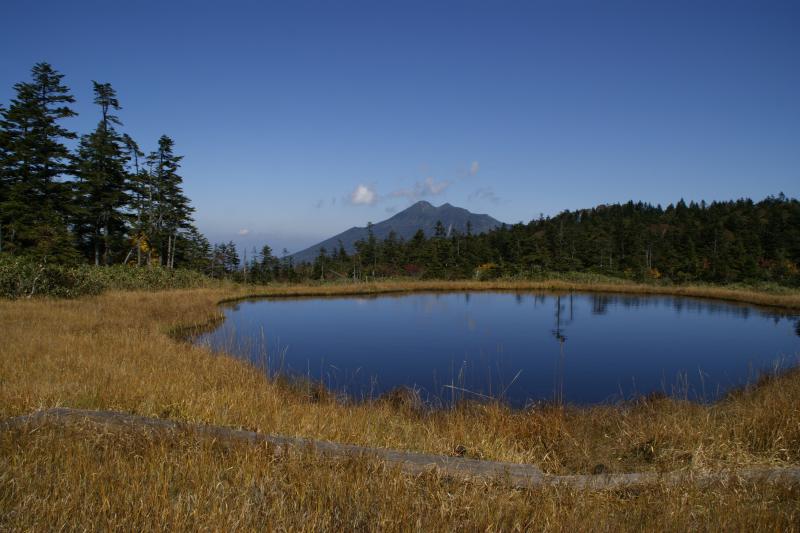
[{"x": 422, "y": 215}]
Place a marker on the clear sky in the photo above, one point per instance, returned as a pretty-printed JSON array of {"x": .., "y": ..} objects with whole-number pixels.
[{"x": 298, "y": 120}]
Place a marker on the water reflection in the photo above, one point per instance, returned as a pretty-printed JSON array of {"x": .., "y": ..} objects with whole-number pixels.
[
  {"x": 602, "y": 302},
  {"x": 558, "y": 333},
  {"x": 514, "y": 345}
]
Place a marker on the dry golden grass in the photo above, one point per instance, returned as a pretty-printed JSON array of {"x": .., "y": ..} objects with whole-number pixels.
[
  {"x": 83, "y": 480},
  {"x": 776, "y": 297},
  {"x": 115, "y": 352}
]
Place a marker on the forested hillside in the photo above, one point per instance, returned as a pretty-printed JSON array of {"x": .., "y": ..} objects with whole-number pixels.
[{"x": 718, "y": 242}]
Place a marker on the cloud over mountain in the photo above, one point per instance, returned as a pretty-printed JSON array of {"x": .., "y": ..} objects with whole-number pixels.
[{"x": 363, "y": 195}]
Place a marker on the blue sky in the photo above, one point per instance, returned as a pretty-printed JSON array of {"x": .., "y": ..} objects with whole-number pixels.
[{"x": 300, "y": 119}]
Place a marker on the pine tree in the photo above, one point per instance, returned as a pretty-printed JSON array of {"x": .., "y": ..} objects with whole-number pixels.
[
  {"x": 103, "y": 182},
  {"x": 170, "y": 214},
  {"x": 264, "y": 266},
  {"x": 342, "y": 252},
  {"x": 138, "y": 183},
  {"x": 193, "y": 251},
  {"x": 391, "y": 250},
  {"x": 36, "y": 202},
  {"x": 5, "y": 173},
  {"x": 320, "y": 264},
  {"x": 231, "y": 258},
  {"x": 217, "y": 261}
]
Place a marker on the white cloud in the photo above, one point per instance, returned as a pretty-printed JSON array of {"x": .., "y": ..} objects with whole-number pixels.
[
  {"x": 367, "y": 195},
  {"x": 243, "y": 232},
  {"x": 363, "y": 195},
  {"x": 474, "y": 168},
  {"x": 421, "y": 189},
  {"x": 485, "y": 193},
  {"x": 434, "y": 187}
]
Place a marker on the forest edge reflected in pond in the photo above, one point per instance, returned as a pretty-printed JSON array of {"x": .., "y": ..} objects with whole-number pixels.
[{"x": 516, "y": 346}]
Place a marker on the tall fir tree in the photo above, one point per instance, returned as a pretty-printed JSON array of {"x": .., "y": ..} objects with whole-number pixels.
[
  {"x": 37, "y": 201},
  {"x": 138, "y": 187},
  {"x": 5, "y": 172},
  {"x": 193, "y": 251},
  {"x": 170, "y": 214},
  {"x": 102, "y": 183}
]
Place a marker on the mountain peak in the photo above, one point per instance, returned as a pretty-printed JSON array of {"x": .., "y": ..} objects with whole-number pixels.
[
  {"x": 421, "y": 215},
  {"x": 427, "y": 206}
]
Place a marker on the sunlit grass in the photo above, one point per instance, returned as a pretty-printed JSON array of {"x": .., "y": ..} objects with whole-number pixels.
[
  {"x": 120, "y": 351},
  {"x": 81, "y": 479}
]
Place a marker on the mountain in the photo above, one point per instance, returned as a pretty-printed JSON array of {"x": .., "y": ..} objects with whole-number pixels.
[{"x": 422, "y": 215}]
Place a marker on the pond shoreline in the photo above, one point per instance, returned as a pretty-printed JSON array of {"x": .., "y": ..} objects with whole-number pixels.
[
  {"x": 784, "y": 300},
  {"x": 759, "y": 301},
  {"x": 120, "y": 350}
]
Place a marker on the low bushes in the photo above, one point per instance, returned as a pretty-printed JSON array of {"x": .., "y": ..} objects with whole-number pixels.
[{"x": 23, "y": 277}]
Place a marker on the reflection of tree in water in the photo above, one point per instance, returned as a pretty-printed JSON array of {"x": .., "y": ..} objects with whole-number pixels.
[
  {"x": 797, "y": 328},
  {"x": 600, "y": 303},
  {"x": 559, "y": 334}
]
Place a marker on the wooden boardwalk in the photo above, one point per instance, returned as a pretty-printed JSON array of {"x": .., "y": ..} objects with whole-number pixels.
[{"x": 517, "y": 475}]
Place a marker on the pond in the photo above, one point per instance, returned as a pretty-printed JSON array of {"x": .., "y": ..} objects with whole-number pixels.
[{"x": 520, "y": 347}]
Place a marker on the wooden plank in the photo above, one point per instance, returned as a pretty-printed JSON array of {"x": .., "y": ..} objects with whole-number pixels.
[{"x": 517, "y": 475}]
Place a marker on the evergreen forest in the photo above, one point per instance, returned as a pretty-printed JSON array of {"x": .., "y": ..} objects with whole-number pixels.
[{"x": 100, "y": 199}]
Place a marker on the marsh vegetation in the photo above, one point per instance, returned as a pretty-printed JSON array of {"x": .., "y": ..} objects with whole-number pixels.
[{"x": 116, "y": 351}]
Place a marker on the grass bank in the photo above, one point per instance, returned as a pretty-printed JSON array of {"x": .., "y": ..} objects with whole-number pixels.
[
  {"x": 118, "y": 351},
  {"x": 769, "y": 295}
]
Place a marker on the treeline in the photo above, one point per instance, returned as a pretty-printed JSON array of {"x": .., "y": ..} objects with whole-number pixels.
[
  {"x": 721, "y": 242},
  {"x": 104, "y": 202},
  {"x": 256, "y": 267}
]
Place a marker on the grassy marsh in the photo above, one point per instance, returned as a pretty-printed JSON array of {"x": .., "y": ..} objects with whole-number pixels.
[{"x": 119, "y": 351}]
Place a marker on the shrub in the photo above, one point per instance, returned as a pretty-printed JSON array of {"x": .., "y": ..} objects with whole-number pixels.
[
  {"x": 487, "y": 271},
  {"x": 22, "y": 277}
]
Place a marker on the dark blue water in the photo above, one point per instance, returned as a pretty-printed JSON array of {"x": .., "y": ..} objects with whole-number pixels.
[{"x": 579, "y": 348}]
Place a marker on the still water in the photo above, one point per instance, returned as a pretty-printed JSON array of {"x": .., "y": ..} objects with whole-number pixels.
[{"x": 522, "y": 347}]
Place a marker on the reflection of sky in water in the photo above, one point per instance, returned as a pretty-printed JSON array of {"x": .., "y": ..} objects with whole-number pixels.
[{"x": 594, "y": 348}]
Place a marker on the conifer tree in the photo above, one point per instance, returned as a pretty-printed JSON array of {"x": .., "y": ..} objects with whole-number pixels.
[
  {"x": 5, "y": 175},
  {"x": 264, "y": 264},
  {"x": 230, "y": 257},
  {"x": 36, "y": 201},
  {"x": 193, "y": 251},
  {"x": 103, "y": 182},
  {"x": 138, "y": 188},
  {"x": 170, "y": 213}
]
